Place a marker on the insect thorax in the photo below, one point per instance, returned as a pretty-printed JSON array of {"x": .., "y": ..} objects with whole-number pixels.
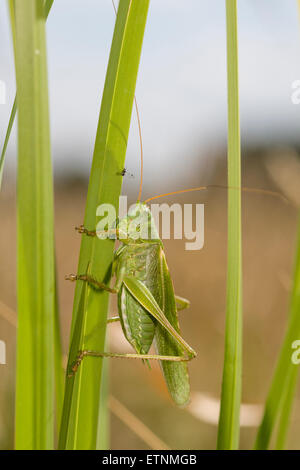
[{"x": 140, "y": 261}]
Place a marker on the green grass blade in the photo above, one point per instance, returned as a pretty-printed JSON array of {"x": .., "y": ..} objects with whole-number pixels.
[
  {"x": 59, "y": 375},
  {"x": 11, "y": 9},
  {"x": 282, "y": 390},
  {"x": 13, "y": 112},
  {"x": 228, "y": 433},
  {"x": 286, "y": 409},
  {"x": 104, "y": 427},
  {"x": 36, "y": 278},
  {"x": 58, "y": 364},
  {"x": 79, "y": 428},
  {"x": 48, "y": 5},
  {"x": 283, "y": 387},
  {"x": 6, "y": 140}
]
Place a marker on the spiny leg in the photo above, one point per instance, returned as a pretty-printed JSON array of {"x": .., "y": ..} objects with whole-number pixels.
[
  {"x": 86, "y": 352},
  {"x": 90, "y": 280},
  {"x": 101, "y": 233},
  {"x": 82, "y": 229}
]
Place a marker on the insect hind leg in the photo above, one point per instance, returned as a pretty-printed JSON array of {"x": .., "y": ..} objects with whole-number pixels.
[{"x": 90, "y": 280}]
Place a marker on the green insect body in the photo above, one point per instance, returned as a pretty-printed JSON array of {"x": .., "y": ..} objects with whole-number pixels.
[
  {"x": 138, "y": 325},
  {"x": 146, "y": 301}
]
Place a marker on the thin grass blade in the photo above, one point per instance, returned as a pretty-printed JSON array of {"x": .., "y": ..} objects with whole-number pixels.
[
  {"x": 228, "y": 432},
  {"x": 11, "y": 9},
  {"x": 282, "y": 390},
  {"x": 286, "y": 410},
  {"x": 59, "y": 376},
  {"x": 6, "y": 140}
]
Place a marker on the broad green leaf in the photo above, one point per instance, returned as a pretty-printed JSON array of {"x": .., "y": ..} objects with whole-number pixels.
[
  {"x": 36, "y": 277},
  {"x": 79, "y": 428},
  {"x": 48, "y": 5}
]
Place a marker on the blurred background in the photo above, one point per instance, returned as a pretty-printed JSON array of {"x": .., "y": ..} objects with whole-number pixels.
[{"x": 182, "y": 97}]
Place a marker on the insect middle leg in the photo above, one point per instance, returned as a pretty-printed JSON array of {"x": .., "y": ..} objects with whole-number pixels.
[
  {"x": 157, "y": 357},
  {"x": 92, "y": 281}
]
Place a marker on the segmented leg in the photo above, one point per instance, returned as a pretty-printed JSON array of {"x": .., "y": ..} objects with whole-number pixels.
[
  {"x": 85, "y": 353},
  {"x": 103, "y": 233},
  {"x": 82, "y": 229},
  {"x": 90, "y": 280}
]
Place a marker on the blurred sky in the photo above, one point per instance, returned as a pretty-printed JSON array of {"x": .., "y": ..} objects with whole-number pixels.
[{"x": 181, "y": 87}]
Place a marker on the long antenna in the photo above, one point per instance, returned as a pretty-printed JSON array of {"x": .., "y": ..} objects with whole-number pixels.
[
  {"x": 140, "y": 135},
  {"x": 220, "y": 186}
]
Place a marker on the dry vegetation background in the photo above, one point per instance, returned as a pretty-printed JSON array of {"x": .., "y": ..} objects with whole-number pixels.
[{"x": 269, "y": 234}]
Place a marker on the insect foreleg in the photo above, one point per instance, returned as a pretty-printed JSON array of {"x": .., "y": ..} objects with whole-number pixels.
[
  {"x": 85, "y": 353},
  {"x": 82, "y": 229},
  {"x": 119, "y": 234}
]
